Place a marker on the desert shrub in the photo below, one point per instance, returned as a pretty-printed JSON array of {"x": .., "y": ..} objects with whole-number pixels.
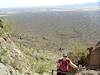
[
  {"x": 6, "y": 29},
  {"x": 76, "y": 51},
  {"x": 5, "y": 55},
  {"x": 42, "y": 66}
]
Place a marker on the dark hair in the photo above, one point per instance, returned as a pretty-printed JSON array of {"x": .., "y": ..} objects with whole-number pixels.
[{"x": 64, "y": 56}]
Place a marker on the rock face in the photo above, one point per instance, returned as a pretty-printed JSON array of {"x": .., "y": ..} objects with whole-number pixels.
[
  {"x": 6, "y": 70},
  {"x": 93, "y": 59}
]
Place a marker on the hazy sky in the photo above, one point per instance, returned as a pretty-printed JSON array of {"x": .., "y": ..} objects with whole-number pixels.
[{"x": 35, "y": 3}]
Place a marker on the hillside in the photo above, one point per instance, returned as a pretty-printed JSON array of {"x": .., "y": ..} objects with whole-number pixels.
[{"x": 12, "y": 60}]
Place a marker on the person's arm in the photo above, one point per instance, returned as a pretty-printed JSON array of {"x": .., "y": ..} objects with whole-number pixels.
[
  {"x": 58, "y": 64},
  {"x": 73, "y": 65}
]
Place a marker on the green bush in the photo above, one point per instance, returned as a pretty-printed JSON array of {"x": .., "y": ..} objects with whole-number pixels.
[
  {"x": 76, "y": 51},
  {"x": 42, "y": 66}
]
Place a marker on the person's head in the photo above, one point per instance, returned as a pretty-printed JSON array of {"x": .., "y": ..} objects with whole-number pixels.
[{"x": 65, "y": 56}]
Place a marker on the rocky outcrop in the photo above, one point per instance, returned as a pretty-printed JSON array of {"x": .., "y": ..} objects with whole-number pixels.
[
  {"x": 12, "y": 55},
  {"x": 93, "y": 58}
]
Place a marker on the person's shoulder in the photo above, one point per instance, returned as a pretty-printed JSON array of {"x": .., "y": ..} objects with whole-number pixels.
[
  {"x": 60, "y": 60},
  {"x": 68, "y": 59}
]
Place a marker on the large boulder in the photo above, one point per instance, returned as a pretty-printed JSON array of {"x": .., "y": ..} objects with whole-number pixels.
[
  {"x": 93, "y": 58},
  {"x": 6, "y": 70}
]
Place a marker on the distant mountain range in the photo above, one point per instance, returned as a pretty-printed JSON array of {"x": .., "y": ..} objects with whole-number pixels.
[
  {"x": 88, "y": 6},
  {"x": 79, "y": 6}
]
